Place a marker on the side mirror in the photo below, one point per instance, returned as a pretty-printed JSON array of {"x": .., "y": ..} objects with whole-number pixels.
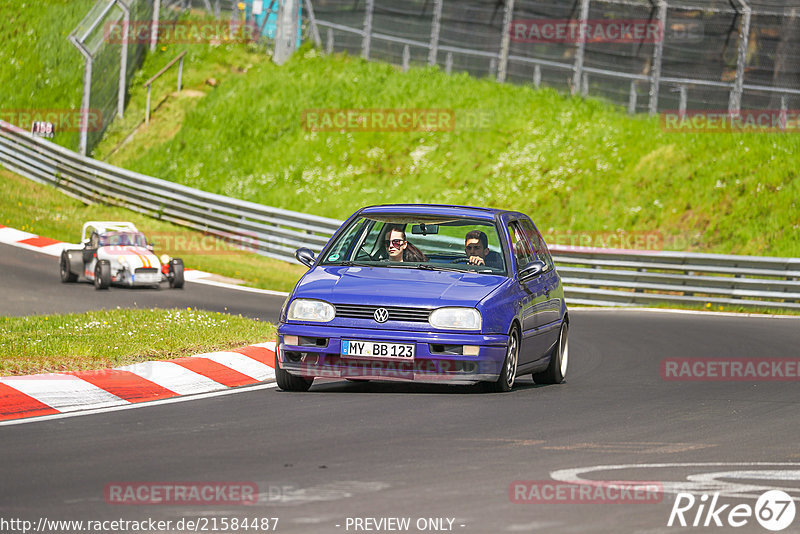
[
  {"x": 305, "y": 256},
  {"x": 534, "y": 268}
]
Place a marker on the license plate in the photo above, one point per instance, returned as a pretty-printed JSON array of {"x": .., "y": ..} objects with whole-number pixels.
[
  {"x": 372, "y": 349},
  {"x": 147, "y": 278}
]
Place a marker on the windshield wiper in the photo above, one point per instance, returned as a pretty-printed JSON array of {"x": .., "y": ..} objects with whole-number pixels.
[{"x": 429, "y": 267}]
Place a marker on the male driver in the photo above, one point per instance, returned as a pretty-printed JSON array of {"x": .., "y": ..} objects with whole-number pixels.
[{"x": 477, "y": 250}]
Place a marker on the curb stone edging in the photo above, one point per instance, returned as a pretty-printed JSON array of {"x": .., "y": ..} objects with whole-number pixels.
[{"x": 54, "y": 393}]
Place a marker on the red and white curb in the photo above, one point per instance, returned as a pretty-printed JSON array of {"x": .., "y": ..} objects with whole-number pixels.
[{"x": 57, "y": 393}]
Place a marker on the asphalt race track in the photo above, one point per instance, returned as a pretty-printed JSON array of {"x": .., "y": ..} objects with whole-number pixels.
[
  {"x": 30, "y": 284},
  {"x": 346, "y": 451}
]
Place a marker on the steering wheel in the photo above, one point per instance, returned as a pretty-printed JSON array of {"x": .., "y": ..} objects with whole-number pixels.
[{"x": 459, "y": 260}]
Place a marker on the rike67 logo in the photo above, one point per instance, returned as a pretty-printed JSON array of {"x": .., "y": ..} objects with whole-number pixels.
[{"x": 774, "y": 510}]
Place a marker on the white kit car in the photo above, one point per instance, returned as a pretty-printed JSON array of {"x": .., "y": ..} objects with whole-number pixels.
[{"x": 118, "y": 253}]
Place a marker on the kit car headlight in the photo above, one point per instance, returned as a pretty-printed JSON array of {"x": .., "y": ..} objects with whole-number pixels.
[
  {"x": 454, "y": 318},
  {"x": 311, "y": 310}
]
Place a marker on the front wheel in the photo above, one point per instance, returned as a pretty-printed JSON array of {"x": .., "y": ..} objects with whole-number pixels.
[
  {"x": 102, "y": 275},
  {"x": 505, "y": 382},
  {"x": 288, "y": 382},
  {"x": 559, "y": 358},
  {"x": 176, "y": 272}
]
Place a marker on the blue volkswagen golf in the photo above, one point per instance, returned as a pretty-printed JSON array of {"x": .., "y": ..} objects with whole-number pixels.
[{"x": 426, "y": 293}]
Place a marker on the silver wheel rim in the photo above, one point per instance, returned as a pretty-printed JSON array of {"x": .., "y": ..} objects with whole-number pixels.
[
  {"x": 511, "y": 361},
  {"x": 564, "y": 351}
]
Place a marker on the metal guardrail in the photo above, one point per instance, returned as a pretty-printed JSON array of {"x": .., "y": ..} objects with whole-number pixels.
[
  {"x": 591, "y": 276},
  {"x": 270, "y": 231}
]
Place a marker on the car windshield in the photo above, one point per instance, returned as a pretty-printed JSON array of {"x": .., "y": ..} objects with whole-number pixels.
[
  {"x": 123, "y": 239},
  {"x": 421, "y": 242}
]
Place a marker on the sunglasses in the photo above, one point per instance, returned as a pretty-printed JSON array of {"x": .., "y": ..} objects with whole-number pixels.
[{"x": 396, "y": 243}]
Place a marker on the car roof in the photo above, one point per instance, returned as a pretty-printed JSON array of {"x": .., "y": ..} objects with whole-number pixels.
[{"x": 447, "y": 210}]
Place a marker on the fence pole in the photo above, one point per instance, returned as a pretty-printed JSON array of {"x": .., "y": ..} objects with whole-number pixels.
[
  {"x": 632, "y": 99},
  {"x": 505, "y": 41},
  {"x": 367, "y": 29},
  {"x": 578, "y": 67},
  {"x": 154, "y": 27},
  {"x": 436, "y": 26},
  {"x": 658, "y": 54},
  {"x": 313, "y": 23},
  {"x": 285, "y": 31},
  {"x": 584, "y": 85},
  {"x": 180, "y": 74},
  {"x": 537, "y": 76},
  {"x": 448, "y": 63},
  {"x": 406, "y": 58},
  {"x": 784, "y": 110},
  {"x": 217, "y": 9},
  {"x": 684, "y": 97},
  {"x": 329, "y": 44},
  {"x": 123, "y": 59},
  {"x": 87, "y": 94},
  {"x": 735, "y": 102}
]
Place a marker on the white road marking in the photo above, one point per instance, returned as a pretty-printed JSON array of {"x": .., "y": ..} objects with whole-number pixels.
[{"x": 704, "y": 482}]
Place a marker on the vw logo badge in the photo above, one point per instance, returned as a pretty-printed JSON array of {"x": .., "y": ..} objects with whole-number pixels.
[{"x": 381, "y": 315}]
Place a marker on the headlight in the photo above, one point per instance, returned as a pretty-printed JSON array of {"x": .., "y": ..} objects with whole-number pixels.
[
  {"x": 311, "y": 310},
  {"x": 456, "y": 318}
]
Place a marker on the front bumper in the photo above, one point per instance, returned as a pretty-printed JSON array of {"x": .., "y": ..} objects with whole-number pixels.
[{"x": 318, "y": 354}]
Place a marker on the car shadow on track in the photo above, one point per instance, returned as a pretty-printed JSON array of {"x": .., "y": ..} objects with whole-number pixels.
[{"x": 378, "y": 387}]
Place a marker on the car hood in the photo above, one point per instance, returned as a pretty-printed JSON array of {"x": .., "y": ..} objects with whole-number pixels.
[
  {"x": 392, "y": 286},
  {"x": 134, "y": 256}
]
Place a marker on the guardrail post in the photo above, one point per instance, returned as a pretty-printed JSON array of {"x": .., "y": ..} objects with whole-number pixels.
[
  {"x": 537, "y": 76},
  {"x": 147, "y": 106},
  {"x": 578, "y": 67},
  {"x": 505, "y": 41},
  {"x": 123, "y": 59},
  {"x": 493, "y": 66},
  {"x": 735, "y": 101},
  {"x": 154, "y": 27},
  {"x": 448, "y": 63},
  {"x": 658, "y": 54},
  {"x": 436, "y": 26},
  {"x": 365, "y": 44},
  {"x": 632, "y": 96},
  {"x": 406, "y": 58},
  {"x": 585, "y": 85}
]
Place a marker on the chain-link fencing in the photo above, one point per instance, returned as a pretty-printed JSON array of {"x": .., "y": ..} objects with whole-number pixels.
[{"x": 646, "y": 55}]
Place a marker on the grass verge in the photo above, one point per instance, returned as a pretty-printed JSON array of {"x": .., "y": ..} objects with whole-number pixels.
[
  {"x": 43, "y": 210},
  {"x": 105, "y": 339}
]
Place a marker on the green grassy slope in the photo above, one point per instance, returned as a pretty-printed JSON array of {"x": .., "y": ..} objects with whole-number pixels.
[{"x": 580, "y": 166}]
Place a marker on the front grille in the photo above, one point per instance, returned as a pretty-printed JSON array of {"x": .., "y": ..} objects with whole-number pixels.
[
  {"x": 396, "y": 313},
  {"x": 143, "y": 270}
]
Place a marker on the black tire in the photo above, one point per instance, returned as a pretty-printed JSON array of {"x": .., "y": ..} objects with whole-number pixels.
[
  {"x": 176, "y": 271},
  {"x": 289, "y": 382},
  {"x": 67, "y": 276},
  {"x": 505, "y": 382},
  {"x": 102, "y": 274},
  {"x": 559, "y": 358}
]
